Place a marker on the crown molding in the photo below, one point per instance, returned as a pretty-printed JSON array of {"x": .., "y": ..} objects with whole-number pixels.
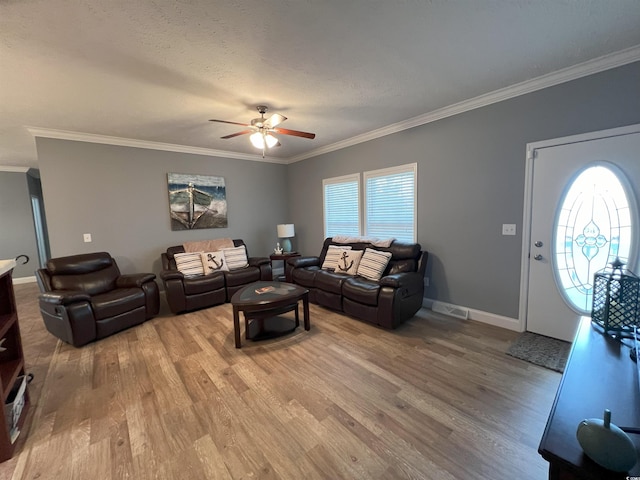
[
  {"x": 131, "y": 142},
  {"x": 14, "y": 169},
  {"x": 558, "y": 77},
  {"x": 596, "y": 65}
]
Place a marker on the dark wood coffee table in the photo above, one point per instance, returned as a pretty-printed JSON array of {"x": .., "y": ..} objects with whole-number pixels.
[{"x": 261, "y": 310}]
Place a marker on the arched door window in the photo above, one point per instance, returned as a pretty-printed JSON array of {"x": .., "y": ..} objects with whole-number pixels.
[{"x": 594, "y": 224}]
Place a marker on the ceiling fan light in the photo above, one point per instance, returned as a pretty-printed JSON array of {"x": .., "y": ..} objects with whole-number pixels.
[
  {"x": 271, "y": 140},
  {"x": 257, "y": 140}
]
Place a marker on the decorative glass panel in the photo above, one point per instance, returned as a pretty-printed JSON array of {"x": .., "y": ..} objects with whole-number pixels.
[{"x": 593, "y": 228}]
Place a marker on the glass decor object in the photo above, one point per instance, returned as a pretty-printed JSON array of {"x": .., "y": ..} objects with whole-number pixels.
[
  {"x": 615, "y": 299},
  {"x": 595, "y": 224}
]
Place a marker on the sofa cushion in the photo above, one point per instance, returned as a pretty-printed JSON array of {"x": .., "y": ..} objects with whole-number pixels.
[
  {"x": 214, "y": 262},
  {"x": 189, "y": 264},
  {"x": 236, "y": 257},
  {"x": 373, "y": 264},
  {"x": 203, "y": 283},
  {"x": 329, "y": 281},
  {"x": 333, "y": 255},
  {"x": 349, "y": 261},
  {"x": 117, "y": 302},
  {"x": 361, "y": 290}
]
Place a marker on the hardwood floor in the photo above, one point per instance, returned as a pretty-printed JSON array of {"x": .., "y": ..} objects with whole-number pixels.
[{"x": 437, "y": 398}]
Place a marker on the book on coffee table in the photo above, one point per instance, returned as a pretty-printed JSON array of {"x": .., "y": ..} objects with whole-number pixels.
[{"x": 264, "y": 290}]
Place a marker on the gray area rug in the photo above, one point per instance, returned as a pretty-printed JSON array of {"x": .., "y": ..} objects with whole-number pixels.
[{"x": 547, "y": 352}]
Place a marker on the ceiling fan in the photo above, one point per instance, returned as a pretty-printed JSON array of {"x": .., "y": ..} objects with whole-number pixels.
[{"x": 261, "y": 130}]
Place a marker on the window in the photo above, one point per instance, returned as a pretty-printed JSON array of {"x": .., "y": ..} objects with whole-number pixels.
[
  {"x": 389, "y": 204},
  {"x": 342, "y": 205},
  {"x": 594, "y": 226}
]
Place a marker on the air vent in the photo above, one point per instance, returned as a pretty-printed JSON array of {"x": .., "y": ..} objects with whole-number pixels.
[{"x": 452, "y": 310}]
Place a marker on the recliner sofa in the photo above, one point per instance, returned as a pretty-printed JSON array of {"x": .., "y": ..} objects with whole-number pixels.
[
  {"x": 386, "y": 302},
  {"x": 187, "y": 293},
  {"x": 85, "y": 298}
]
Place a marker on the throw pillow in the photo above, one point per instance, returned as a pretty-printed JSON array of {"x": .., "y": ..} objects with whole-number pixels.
[
  {"x": 349, "y": 261},
  {"x": 373, "y": 264},
  {"x": 214, "y": 262},
  {"x": 190, "y": 264},
  {"x": 236, "y": 257},
  {"x": 332, "y": 256}
]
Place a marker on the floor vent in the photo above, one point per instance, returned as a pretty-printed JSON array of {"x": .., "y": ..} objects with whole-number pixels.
[{"x": 452, "y": 310}]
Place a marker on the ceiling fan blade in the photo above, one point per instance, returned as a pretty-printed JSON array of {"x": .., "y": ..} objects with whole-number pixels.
[
  {"x": 295, "y": 133},
  {"x": 273, "y": 120},
  {"x": 244, "y": 132},
  {"x": 232, "y": 123}
]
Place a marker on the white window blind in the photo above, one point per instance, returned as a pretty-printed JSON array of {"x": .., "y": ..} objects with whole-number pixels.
[
  {"x": 390, "y": 203},
  {"x": 342, "y": 205}
]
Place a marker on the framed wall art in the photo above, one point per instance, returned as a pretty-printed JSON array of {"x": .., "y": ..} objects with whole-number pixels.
[{"x": 197, "y": 201}]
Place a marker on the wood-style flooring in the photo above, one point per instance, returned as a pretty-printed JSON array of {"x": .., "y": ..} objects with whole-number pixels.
[{"x": 437, "y": 398}]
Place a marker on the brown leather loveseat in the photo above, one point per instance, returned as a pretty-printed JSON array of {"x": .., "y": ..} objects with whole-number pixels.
[
  {"x": 386, "y": 298},
  {"x": 185, "y": 293},
  {"x": 85, "y": 298}
]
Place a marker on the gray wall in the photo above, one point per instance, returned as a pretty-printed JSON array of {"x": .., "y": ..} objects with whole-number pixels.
[
  {"x": 471, "y": 172},
  {"x": 17, "y": 232},
  {"x": 119, "y": 195}
]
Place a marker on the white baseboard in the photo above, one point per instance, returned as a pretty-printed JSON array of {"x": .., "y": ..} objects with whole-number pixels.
[
  {"x": 18, "y": 281},
  {"x": 485, "y": 317}
]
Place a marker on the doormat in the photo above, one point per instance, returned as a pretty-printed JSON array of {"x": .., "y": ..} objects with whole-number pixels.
[{"x": 544, "y": 351}]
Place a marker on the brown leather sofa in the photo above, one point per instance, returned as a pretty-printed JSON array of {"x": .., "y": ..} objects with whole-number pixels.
[
  {"x": 387, "y": 302},
  {"x": 185, "y": 294},
  {"x": 85, "y": 298}
]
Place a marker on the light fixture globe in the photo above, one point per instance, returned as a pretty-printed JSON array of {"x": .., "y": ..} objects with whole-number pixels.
[{"x": 257, "y": 140}]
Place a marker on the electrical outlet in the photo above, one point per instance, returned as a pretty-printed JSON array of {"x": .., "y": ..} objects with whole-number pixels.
[
  {"x": 87, "y": 237},
  {"x": 508, "y": 229}
]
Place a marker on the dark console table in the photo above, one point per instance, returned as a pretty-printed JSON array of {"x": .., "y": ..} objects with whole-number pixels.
[{"x": 599, "y": 374}]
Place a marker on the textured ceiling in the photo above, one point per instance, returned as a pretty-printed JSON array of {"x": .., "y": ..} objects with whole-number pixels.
[{"x": 157, "y": 70}]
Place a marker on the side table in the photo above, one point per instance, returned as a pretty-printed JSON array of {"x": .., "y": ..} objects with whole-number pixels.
[{"x": 283, "y": 257}]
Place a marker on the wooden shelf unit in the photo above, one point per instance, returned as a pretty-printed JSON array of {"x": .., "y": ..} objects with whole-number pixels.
[{"x": 11, "y": 363}]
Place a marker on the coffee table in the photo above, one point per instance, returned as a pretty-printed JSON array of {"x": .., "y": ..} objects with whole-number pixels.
[{"x": 261, "y": 303}]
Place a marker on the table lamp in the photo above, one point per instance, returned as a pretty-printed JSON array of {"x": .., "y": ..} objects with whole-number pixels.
[{"x": 285, "y": 232}]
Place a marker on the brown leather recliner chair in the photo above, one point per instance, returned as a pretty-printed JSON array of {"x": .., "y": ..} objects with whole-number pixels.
[{"x": 85, "y": 298}]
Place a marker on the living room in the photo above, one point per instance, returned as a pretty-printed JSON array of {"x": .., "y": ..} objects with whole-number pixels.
[{"x": 471, "y": 180}]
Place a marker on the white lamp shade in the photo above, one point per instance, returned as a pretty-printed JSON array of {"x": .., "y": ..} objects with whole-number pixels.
[
  {"x": 286, "y": 230},
  {"x": 271, "y": 140}
]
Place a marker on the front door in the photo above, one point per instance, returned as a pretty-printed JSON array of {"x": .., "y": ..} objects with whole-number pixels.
[{"x": 579, "y": 222}]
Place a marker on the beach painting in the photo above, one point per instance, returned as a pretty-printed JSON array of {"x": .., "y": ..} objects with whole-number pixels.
[{"x": 197, "y": 201}]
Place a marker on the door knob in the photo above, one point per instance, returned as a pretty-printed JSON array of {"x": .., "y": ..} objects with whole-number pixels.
[
  {"x": 537, "y": 257},
  {"x": 538, "y": 243}
]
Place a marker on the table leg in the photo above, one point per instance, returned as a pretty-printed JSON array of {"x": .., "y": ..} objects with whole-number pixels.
[
  {"x": 305, "y": 304},
  {"x": 236, "y": 325},
  {"x": 297, "y": 316}
]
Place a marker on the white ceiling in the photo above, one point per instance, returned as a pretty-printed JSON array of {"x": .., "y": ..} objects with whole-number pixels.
[{"x": 157, "y": 70}]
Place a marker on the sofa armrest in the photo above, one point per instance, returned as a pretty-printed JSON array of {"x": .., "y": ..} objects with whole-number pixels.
[
  {"x": 66, "y": 297},
  {"x": 401, "y": 280},
  {"x": 300, "y": 262},
  {"x": 171, "y": 275},
  {"x": 134, "y": 280}
]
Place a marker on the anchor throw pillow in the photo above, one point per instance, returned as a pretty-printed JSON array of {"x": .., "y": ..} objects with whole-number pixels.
[
  {"x": 332, "y": 256},
  {"x": 214, "y": 262},
  {"x": 349, "y": 261}
]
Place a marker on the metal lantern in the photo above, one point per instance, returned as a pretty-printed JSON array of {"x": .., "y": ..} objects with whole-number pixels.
[{"x": 616, "y": 299}]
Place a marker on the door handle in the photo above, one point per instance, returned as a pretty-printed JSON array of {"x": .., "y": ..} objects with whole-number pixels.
[
  {"x": 538, "y": 243},
  {"x": 537, "y": 257}
]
